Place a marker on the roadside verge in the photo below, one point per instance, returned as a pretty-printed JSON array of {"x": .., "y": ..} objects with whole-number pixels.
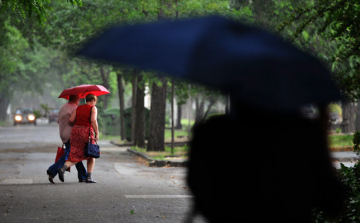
[{"x": 156, "y": 162}]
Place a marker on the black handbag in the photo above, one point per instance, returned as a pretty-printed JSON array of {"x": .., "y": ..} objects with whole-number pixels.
[{"x": 91, "y": 150}]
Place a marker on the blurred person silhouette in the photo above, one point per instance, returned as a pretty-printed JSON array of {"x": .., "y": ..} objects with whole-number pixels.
[
  {"x": 65, "y": 132},
  {"x": 278, "y": 166}
]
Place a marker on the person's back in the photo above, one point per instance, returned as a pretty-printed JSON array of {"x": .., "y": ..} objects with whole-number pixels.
[
  {"x": 63, "y": 120},
  {"x": 83, "y": 115},
  {"x": 275, "y": 167}
]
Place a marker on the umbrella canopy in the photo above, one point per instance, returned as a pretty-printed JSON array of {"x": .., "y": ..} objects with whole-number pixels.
[
  {"x": 254, "y": 66},
  {"x": 83, "y": 90}
]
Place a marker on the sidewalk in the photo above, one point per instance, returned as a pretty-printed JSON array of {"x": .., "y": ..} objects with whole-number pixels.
[{"x": 347, "y": 156}]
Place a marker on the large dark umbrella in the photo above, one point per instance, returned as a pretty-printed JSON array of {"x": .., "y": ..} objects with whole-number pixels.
[{"x": 255, "y": 67}]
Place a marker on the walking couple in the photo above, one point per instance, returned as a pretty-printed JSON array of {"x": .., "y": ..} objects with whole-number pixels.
[{"x": 74, "y": 122}]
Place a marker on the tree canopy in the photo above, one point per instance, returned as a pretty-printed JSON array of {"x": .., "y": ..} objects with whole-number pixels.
[
  {"x": 23, "y": 9},
  {"x": 336, "y": 23},
  {"x": 323, "y": 27}
]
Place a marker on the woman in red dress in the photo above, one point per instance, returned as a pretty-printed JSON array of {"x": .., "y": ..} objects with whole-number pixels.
[{"x": 80, "y": 136}]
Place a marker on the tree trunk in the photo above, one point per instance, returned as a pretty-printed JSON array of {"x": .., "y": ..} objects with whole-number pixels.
[
  {"x": 157, "y": 117},
  {"x": 352, "y": 117},
  {"x": 199, "y": 113},
  {"x": 178, "y": 124},
  {"x": 357, "y": 119},
  {"x": 189, "y": 113},
  {"x": 348, "y": 123},
  {"x": 133, "y": 105},
  {"x": 172, "y": 115},
  {"x": 140, "y": 114},
  {"x": 105, "y": 79},
  {"x": 122, "y": 105},
  {"x": 4, "y": 103},
  {"x": 212, "y": 102},
  {"x": 227, "y": 106}
]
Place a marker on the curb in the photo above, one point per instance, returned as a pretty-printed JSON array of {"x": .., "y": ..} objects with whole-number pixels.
[
  {"x": 341, "y": 149},
  {"x": 162, "y": 163},
  {"x": 125, "y": 144},
  {"x": 159, "y": 163},
  {"x": 345, "y": 160},
  {"x": 166, "y": 143}
]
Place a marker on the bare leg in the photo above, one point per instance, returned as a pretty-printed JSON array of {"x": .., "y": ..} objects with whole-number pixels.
[
  {"x": 90, "y": 168},
  {"x": 90, "y": 165},
  {"x": 61, "y": 170},
  {"x": 70, "y": 163}
]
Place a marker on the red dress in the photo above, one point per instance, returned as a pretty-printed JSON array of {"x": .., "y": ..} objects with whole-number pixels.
[{"x": 80, "y": 134}]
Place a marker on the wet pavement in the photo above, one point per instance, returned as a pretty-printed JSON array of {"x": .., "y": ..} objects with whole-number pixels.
[{"x": 127, "y": 189}]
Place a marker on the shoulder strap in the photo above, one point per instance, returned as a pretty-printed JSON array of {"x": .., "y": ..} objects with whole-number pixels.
[{"x": 90, "y": 120}]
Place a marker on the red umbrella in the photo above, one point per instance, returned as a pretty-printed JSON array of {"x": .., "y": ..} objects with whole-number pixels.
[{"x": 83, "y": 90}]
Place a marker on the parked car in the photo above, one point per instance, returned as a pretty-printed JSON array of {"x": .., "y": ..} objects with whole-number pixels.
[
  {"x": 54, "y": 115},
  {"x": 24, "y": 116}
]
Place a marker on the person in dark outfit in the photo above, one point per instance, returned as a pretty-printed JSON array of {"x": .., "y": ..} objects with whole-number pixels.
[{"x": 276, "y": 168}]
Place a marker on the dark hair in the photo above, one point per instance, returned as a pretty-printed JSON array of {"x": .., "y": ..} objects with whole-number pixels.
[
  {"x": 73, "y": 98},
  {"x": 91, "y": 97}
]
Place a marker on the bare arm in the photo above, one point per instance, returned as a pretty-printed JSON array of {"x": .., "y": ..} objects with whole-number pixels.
[
  {"x": 94, "y": 122},
  {"x": 72, "y": 118}
]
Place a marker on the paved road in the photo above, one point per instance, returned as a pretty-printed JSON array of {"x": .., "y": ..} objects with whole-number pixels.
[{"x": 127, "y": 190}]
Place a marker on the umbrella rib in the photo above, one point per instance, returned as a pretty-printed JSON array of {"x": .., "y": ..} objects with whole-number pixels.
[{"x": 84, "y": 93}]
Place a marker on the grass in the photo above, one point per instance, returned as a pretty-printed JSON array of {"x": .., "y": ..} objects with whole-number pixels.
[
  {"x": 181, "y": 152},
  {"x": 177, "y": 132},
  {"x": 340, "y": 140},
  {"x": 184, "y": 123}
]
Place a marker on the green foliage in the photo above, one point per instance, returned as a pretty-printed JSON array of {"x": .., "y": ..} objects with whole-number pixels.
[
  {"x": 182, "y": 91},
  {"x": 333, "y": 30},
  {"x": 338, "y": 130},
  {"x": 356, "y": 141},
  {"x": 46, "y": 109},
  {"x": 12, "y": 49},
  {"x": 185, "y": 123},
  {"x": 350, "y": 176},
  {"x": 181, "y": 152},
  {"x": 333, "y": 107},
  {"x": 340, "y": 140},
  {"x": 167, "y": 119},
  {"x": 38, "y": 113},
  {"x": 2, "y": 123},
  {"x": 214, "y": 115},
  {"x": 28, "y": 8},
  {"x": 177, "y": 132}
]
